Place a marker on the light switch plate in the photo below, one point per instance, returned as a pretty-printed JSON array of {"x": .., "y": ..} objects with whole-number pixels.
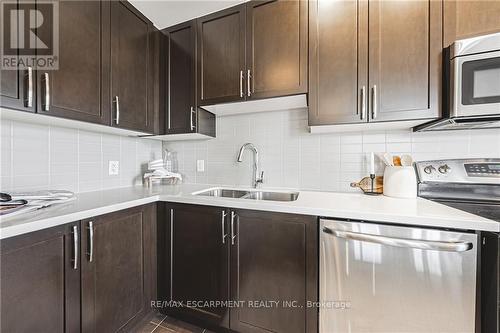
[
  {"x": 114, "y": 168},
  {"x": 200, "y": 165}
]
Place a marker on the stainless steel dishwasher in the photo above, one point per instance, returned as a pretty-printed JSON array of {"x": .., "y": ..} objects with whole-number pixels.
[{"x": 380, "y": 278}]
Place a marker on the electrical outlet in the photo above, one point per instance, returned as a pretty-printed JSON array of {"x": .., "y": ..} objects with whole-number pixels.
[
  {"x": 200, "y": 165},
  {"x": 114, "y": 168}
]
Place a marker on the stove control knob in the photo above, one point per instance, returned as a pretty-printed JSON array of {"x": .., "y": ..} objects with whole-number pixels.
[
  {"x": 444, "y": 168},
  {"x": 429, "y": 169}
]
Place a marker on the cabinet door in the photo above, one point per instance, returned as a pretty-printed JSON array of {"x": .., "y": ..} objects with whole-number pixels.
[
  {"x": 469, "y": 18},
  {"x": 40, "y": 281},
  {"x": 274, "y": 258},
  {"x": 221, "y": 56},
  {"x": 181, "y": 74},
  {"x": 17, "y": 88},
  {"x": 276, "y": 48},
  {"x": 199, "y": 266},
  {"x": 131, "y": 68},
  {"x": 405, "y": 59},
  {"x": 338, "y": 61},
  {"x": 117, "y": 269},
  {"x": 79, "y": 89}
]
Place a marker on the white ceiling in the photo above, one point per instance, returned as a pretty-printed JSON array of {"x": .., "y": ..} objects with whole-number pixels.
[{"x": 165, "y": 13}]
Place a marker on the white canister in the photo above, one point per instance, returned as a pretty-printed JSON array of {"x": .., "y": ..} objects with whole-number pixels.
[{"x": 400, "y": 182}]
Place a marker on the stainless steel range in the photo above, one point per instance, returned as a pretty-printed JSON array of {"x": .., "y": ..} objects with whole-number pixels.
[{"x": 471, "y": 185}]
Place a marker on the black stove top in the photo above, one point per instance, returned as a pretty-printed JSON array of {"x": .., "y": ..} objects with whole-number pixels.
[{"x": 489, "y": 211}]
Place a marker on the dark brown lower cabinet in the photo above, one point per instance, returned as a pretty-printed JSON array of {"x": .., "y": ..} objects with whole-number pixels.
[
  {"x": 273, "y": 272},
  {"x": 108, "y": 288},
  {"x": 264, "y": 264},
  {"x": 118, "y": 269},
  {"x": 40, "y": 281},
  {"x": 199, "y": 262}
]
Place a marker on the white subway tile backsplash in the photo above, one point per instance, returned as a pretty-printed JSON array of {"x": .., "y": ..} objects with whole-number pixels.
[
  {"x": 291, "y": 157},
  {"x": 41, "y": 157},
  {"x": 30, "y": 182},
  {"x": 399, "y": 147},
  {"x": 398, "y": 136},
  {"x": 374, "y": 137},
  {"x": 351, "y": 148}
]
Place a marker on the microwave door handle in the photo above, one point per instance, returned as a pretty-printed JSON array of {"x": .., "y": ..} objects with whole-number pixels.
[{"x": 402, "y": 242}]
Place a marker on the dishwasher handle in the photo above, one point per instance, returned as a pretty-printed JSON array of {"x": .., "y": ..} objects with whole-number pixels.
[{"x": 402, "y": 242}]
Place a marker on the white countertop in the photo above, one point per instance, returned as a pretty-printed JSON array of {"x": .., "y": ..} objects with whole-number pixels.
[{"x": 356, "y": 206}]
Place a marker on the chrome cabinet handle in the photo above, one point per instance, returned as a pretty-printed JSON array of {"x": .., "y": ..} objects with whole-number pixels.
[
  {"x": 117, "y": 102},
  {"x": 75, "y": 247},
  {"x": 91, "y": 241},
  {"x": 249, "y": 86},
  {"x": 374, "y": 106},
  {"x": 223, "y": 220},
  {"x": 169, "y": 125},
  {"x": 363, "y": 102},
  {"x": 191, "y": 119},
  {"x": 233, "y": 234},
  {"x": 46, "y": 102},
  {"x": 241, "y": 83},
  {"x": 171, "y": 253},
  {"x": 29, "y": 94},
  {"x": 402, "y": 242}
]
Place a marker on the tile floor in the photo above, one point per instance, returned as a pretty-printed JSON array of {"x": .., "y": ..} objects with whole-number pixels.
[{"x": 159, "y": 323}]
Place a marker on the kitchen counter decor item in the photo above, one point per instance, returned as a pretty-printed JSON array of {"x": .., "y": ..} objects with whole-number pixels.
[
  {"x": 157, "y": 172},
  {"x": 22, "y": 202},
  {"x": 370, "y": 186},
  {"x": 400, "y": 182}
]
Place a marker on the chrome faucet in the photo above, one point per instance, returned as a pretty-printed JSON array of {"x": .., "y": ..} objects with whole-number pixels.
[{"x": 256, "y": 179}]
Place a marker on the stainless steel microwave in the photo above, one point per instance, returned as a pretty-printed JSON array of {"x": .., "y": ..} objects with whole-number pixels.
[{"x": 471, "y": 87}]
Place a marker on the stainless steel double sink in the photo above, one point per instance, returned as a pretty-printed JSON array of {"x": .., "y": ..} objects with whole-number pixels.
[{"x": 253, "y": 194}]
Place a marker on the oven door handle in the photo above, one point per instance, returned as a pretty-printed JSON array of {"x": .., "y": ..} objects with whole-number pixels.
[{"x": 402, "y": 242}]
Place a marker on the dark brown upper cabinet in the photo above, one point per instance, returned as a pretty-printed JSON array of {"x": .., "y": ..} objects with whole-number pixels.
[
  {"x": 17, "y": 88},
  {"x": 273, "y": 257},
  {"x": 405, "y": 44},
  {"x": 470, "y": 18},
  {"x": 132, "y": 59},
  {"x": 338, "y": 62},
  {"x": 276, "y": 52},
  {"x": 221, "y": 60},
  {"x": 199, "y": 262},
  {"x": 401, "y": 79},
  {"x": 118, "y": 269},
  {"x": 251, "y": 51},
  {"x": 108, "y": 68},
  {"x": 79, "y": 89},
  {"x": 181, "y": 74},
  {"x": 40, "y": 275},
  {"x": 182, "y": 113}
]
